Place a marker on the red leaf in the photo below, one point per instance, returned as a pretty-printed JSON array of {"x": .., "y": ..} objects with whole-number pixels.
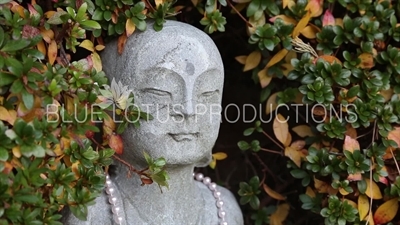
[
  {"x": 115, "y": 143},
  {"x": 30, "y": 32}
]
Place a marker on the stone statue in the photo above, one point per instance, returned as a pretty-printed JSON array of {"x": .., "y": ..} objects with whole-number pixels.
[{"x": 177, "y": 76}]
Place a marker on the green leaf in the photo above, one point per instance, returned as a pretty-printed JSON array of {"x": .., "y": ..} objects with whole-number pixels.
[
  {"x": 6, "y": 79},
  {"x": 3, "y": 155},
  {"x": 243, "y": 145},
  {"x": 15, "y": 45},
  {"x": 81, "y": 12},
  {"x": 27, "y": 99},
  {"x": 98, "y": 14},
  {"x": 90, "y": 25},
  {"x": 27, "y": 198},
  {"x": 1, "y": 36},
  {"x": 79, "y": 211},
  {"x": 58, "y": 18}
]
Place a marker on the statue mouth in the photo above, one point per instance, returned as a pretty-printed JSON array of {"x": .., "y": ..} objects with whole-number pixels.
[{"x": 184, "y": 136}]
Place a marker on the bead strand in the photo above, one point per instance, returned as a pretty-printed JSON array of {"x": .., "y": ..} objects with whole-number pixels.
[
  {"x": 217, "y": 195},
  {"x": 118, "y": 219}
]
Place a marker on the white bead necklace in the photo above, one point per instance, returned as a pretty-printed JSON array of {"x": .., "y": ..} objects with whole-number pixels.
[{"x": 116, "y": 210}]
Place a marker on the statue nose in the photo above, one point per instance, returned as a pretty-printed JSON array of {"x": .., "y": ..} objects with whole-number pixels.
[{"x": 187, "y": 108}]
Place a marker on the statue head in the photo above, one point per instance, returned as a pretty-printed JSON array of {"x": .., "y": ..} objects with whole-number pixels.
[{"x": 176, "y": 75}]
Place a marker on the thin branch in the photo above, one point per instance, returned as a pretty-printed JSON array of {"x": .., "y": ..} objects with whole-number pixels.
[
  {"x": 240, "y": 15},
  {"x": 395, "y": 161},
  {"x": 273, "y": 140},
  {"x": 271, "y": 151}
]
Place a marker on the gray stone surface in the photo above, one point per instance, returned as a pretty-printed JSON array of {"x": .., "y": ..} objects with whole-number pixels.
[{"x": 176, "y": 75}]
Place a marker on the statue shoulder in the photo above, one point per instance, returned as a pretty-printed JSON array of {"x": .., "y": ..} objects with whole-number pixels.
[
  {"x": 234, "y": 214},
  {"x": 231, "y": 207},
  {"x": 98, "y": 213}
]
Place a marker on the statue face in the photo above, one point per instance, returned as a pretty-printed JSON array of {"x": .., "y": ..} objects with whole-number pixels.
[{"x": 180, "y": 85}]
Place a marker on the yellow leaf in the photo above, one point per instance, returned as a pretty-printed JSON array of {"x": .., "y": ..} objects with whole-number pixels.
[
  {"x": 373, "y": 191},
  {"x": 271, "y": 103},
  {"x": 255, "y": 23},
  {"x": 213, "y": 163},
  {"x": 129, "y": 27},
  {"x": 99, "y": 47},
  {"x": 303, "y": 131},
  {"x": 41, "y": 47},
  {"x": 52, "y": 52},
  {"x": 387, "y": 211},
  {"x": 370, "y": 219},
  {"x": 252, "y": 61},
  {"x": 264, "y": 78},
  {"x": 309, "y": 32},
  {"x": 7, "y": 115},
  {"x": 16, "y": 151},
  {"x": 280, "y": 214},
  {"x": 387, "y": 94},
  {"x": 352, "y": 203},
  {"x": 367, "y": 61},
  {"x": 343, "y": 192},
  {"x": 310, "y": 192},
  {"x": 219, "y": 155},
  {"x": 394, "y": 135},
  {"x": 273, "y": 193},
  {"x": 285, "y": 3},
  {"x": 158, "y": 2},
  {"x": 75, "y": 169},
  {"x": 97, "y": 62},
  {"x": 294, "y": 154},
  {"x": 286, "y": 19},
  {"x": 277, "y": 57},
  {"x": 301, "y": 25},
  {"x": 288, "y": 140},
  {"x": 88, "y": 45},
  {"x": 281, "y": 128},
  {"x": 241, "y": 59},
  {"x": 351, "y": 144},
  {"x": 363, "y": 206}
]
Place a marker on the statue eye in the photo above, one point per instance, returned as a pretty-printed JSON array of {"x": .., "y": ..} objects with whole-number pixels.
[
  {"x": 157, "y": 92},
  {"x": 209, "y": 93}
]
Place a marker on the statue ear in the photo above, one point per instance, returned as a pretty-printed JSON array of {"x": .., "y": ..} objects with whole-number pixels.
[{"x": 205, "y": 160}]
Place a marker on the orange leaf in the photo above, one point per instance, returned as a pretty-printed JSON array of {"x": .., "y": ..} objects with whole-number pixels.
[
  {"x": 129, "y": 27},
  {"x": 115, "y": 142},
  {"x": 351, "y": 131},
  {"x": 252, "y": 61},
  {"x": 373, "y": 191},
  {"x": 394, "y": 135},
  {"x": 18, "y": 9},
  {"x": 294, "y": 154},
  {"x": 310, "y": 192},
  {"x": 363, "y": 206},
  {"x": 354, "y": 177},
  {"x": 52, "y": 52},
  {"x": 387, "y": 94},
  {"x": 264, "y": 78},
  {"x": 47, "y": 35},
  {"x": 279, "y": 215},
  {"x": 288, "y": 140},
  {"x": 350, "y": 144},
  {"x": 323, "y": 187},
  {"x": 273, "y": 193},
  {"x": 271, "y": 103},
  {"x": 281, "y": 128},
  {"x": 330, "y": 59},
  {"x": 387, "y": 211},
  {"x": 277, "y": 57},
  {"x": 301, "y": 25},
  {"x": 241, "y": 59},
  {"x": 121, "y": 43},
  {"x": 315, "y": 7},
  {"x": 303, "y": 131}
]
